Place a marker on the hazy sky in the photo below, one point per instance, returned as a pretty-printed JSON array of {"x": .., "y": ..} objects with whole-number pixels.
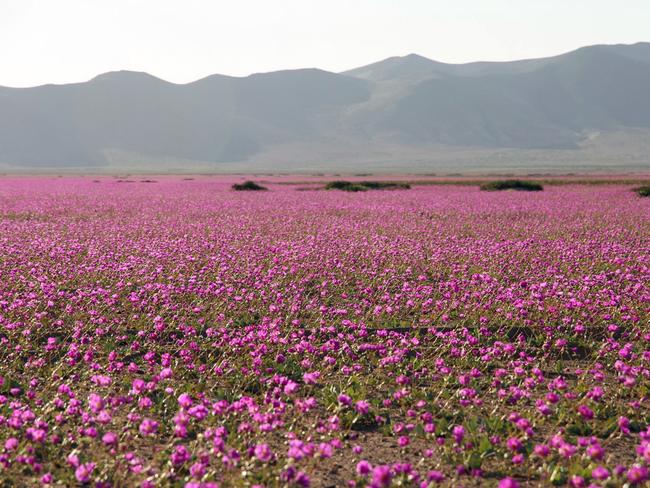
[{"x": 58, "y": 41}]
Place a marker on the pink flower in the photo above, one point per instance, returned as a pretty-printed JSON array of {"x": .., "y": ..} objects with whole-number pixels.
[
  {"x": 302, "y": 479},
  {"x": 381, "y": 476},
  {"x": 508, "y": 483},
  {"x": 363, "y": 467},
  {"x": 197, "y": 470},
  {"x": 514, "y": 444},
  {"x": 436, "y": 476},
  {"x": 311, "y": 378},
  {"x": 577, "y": 481},
  {"x": 344, "y": 399},
  {"x": 184, "y": 400},
  {"x": 290, "y": 388},
  {"x": 180, "y": 455},
  {"x": 11, "y": 444},
  {"x": 624, "y": 425},
  {"x": 73, "y": 460},
  {"x": 148, "y": 427},
  {"x": 637, "y": 474},
  {"x": 362, "y": 407},
  {"x": 585, "y": 412},
  {"x": 459, "y": 433},
  {"x": 83, "y": 472},
  {"x": 595, "y": 452},
  {"x": 567, "y": 450},
  {"x": 95, "y": 402},
  {"x": 263, "y": 452},
  {"x": 600, "y": 473},
  {"x": 109, "y": 438}
]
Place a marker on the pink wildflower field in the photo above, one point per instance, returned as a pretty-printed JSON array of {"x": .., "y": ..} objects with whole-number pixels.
[{"x": 174, "y": 332}]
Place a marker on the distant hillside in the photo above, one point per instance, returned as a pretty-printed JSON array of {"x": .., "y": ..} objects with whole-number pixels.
[{"x": 401, "y": 109}]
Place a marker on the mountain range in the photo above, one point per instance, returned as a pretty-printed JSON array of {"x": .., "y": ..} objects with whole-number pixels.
[{"x": 583, "y": 109}]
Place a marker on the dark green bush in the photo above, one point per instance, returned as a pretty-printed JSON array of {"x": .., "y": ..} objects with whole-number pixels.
[
  {"x": 385, "y": 185},
  {"x": 643, "y": 191},
  {"x": 248, "y": 186},
  {"x": 518, "y": 185},
  {"x": 341, "y": 185},
  {"x": 366, "y": 185}
]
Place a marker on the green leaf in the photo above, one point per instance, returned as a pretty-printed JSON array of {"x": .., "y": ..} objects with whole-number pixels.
[
  {"x": 474, "y": 461},
  {"x": 559, "y": 475}
]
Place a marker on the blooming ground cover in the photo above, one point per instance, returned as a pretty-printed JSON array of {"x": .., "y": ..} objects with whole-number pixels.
[{"x": 177, "y": 333}]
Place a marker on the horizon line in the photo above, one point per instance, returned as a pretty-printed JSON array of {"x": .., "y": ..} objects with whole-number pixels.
[{"x": 412, "y": 54}]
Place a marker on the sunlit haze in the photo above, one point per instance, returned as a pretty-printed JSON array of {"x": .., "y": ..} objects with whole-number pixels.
[{"x": 180, "y": 41}]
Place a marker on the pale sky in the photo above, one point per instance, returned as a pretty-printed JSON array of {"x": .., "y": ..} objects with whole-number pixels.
[{"x": 61, "y": 41}]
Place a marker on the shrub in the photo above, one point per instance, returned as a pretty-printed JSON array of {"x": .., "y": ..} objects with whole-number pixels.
[
  {"x": 339, "y": 185},
  {"x": 248, "y": 186},
  {"x": 366, "y": 185},
  {"x": 345, "y": 186},
  {"x": 518, "y": 185},
  {"x": 385, "y": 185},
  {"x": 643, "y": 191}
]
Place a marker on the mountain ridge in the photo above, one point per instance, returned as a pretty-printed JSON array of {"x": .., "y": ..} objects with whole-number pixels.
[{"x": 410, "y": 102}]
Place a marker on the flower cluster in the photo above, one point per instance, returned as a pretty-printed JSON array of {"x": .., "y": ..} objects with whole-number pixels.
[{"x": 180, "y": 334}]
